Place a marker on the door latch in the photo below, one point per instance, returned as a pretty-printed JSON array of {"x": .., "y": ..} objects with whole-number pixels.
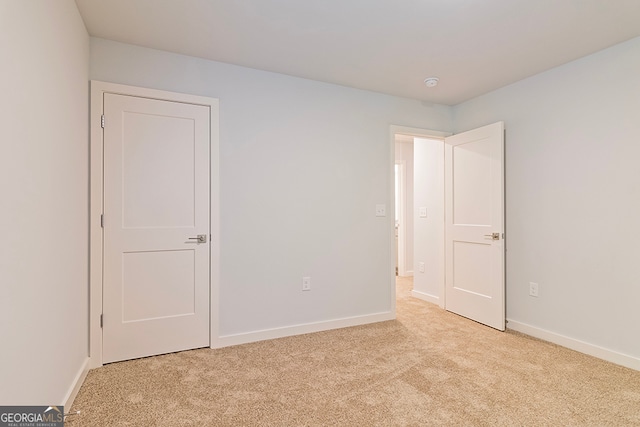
[{"x": 494, "y": 236}]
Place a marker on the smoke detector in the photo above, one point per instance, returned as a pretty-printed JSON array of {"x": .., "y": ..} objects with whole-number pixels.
[{"x": 431, "y": 81}]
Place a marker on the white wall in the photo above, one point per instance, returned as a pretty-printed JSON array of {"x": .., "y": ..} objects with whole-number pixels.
[
  {"x": 404, "y": 155},
  {"x": 303, "y": 165},
  {"x": 429, "y": 232},
  {"x": 573, "y": 196},
  {"x": 44, "y": 187}
]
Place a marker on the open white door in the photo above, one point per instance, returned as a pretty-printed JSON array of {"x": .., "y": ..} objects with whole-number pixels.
[
  {"x": 474, "y": 225},
  {"x": 156, "y": 205}
]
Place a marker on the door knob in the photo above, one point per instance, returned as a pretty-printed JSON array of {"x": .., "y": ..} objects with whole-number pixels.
[
  {"x": 201, "y": 238},
  {"x": 494, "y": 236}
]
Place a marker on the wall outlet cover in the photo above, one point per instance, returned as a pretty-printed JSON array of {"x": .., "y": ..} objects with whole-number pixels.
[{"x": 381, "y": 210}]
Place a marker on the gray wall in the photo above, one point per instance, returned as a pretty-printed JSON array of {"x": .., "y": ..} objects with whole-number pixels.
[
  {"x": 44, "y": 186},
  {"x": 573, "y": 196},
  {"x": 303, "y": 165},
  {"x": 429, "y": 232}
]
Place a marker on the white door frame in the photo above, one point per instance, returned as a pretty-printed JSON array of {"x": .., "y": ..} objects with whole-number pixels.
[
  {"x": 98, "y": 89},
  {"x": 418, "y": 133},
  {"x": 402, "y": 228}
]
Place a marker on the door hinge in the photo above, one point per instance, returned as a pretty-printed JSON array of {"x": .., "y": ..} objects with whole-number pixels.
[
  {"x": 101, "y": 220},
  {"x": 101, "y": 320},
  {"x": 102, "y": 121}
]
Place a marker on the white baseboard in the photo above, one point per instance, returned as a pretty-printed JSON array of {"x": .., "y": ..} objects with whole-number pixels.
[
  {"x": 269, "y": 334},
  {"x": 574, "y": 344},
  {"x": 425, "y": 297},
  {"x": 75, "y": 385}
]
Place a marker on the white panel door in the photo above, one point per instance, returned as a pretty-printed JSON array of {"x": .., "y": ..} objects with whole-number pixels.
[
  {"x": 474, "y": 218},
  {"x": 156, "y": 203}
]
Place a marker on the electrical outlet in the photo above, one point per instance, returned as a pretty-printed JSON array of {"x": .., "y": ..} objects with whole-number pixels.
[
  {"x": 381, "y": 210},
  {"x": 421, "y": 267},
  {"x": 422, "y": 212},
  {"x": 533, "y": 289},
  {"x": 306, "y": 283}
]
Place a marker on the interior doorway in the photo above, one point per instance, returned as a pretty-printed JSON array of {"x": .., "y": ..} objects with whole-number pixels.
[
  {"x": 457, "y": 266},
  {"x": 411, "y": 239},
  {"x": 140, "y": 304}
]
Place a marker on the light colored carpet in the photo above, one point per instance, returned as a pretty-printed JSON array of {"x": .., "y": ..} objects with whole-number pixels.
[{"x": 427, "y": 368}]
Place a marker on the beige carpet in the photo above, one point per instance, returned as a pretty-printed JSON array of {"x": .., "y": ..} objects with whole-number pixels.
[{"x": 427, "y": 368}]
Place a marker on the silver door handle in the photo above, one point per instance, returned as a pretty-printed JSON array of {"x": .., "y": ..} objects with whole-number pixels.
[
  {"x": 494, "y": 236},
  {"x": 201, "y": 238}
]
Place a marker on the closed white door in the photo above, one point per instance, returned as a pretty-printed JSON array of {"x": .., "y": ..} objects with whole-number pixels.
[
  {"x": 474, "y": 225},
  {"x": 156, "y": 204}
]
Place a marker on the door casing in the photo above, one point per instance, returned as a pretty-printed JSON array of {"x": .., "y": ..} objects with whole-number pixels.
[
  {"x": 401, "y": 199},
  {"x": 98, "y": 89}
]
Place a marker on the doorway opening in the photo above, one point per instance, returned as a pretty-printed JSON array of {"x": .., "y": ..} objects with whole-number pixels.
[
  {"x": 413, "y": 243},
  {"x": 458, "y": 258},
  {"x": 105, "y": 215}
]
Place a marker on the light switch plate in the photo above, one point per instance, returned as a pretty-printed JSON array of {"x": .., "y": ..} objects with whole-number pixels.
[
  {"x": 381, "y": 210},
  {"x": 534, "y": 289},
  {"x": 423, "y": 212}
]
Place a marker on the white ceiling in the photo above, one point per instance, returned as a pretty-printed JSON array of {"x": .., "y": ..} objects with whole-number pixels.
[{"x": 388, "y": 46}]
